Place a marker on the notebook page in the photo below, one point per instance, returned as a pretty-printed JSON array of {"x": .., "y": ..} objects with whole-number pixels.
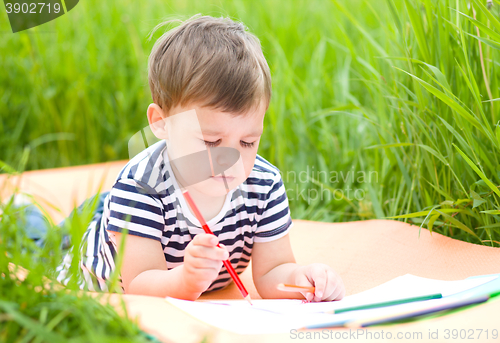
[{"x": 282, "y": 315}]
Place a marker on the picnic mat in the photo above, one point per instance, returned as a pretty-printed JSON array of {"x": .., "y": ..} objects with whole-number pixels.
[{"x": 364, "y": 253}]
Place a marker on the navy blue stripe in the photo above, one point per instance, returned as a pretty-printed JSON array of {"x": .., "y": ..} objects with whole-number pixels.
[
  {"x": 152, "y": 159},
  {"x": 241, "y": 259},
  {"x": 145, "y": 177},
  {"x": 96, "y": 247},
  {"x": 141, "y": 188},
  {"x": 276, "y": 201},
  {"x": 272, "y": 169},
  {"x": 154, "y": 150},
  {"x": 133, "y": 170},
  {"x": 137, "y": 220},
  {"x": 263, "y": 169},
  {"x": 176, "y": 231},
  {"x": 220, "y": 281},
  {"x": 273, "y": 218},
  {"x": 111, "y": 250},
  {"x": 237, "y": 225},
  {"x": 276, "y": 231},
  {"x": 103, "y": 271},
  {"x": 276, "y": 187},
  {"x": 234, "y": 262},
  {"x": 170, "y": 221},
  {"x": 246, "y": 253},
  {"x": 259, "y": 182},
  {"x": 245, "y": 243},
  {"x": 104, "y": 257},
  {"x": 237, "y": 249},
  {"x": 238, "y": 193},
  {"x": 136, "y": 204},
  {"x": 216, "y": 288},
  {"x": 174, "y": 259},
  {"x": 238, "y": 238},
  {"x": 242, "y": 209},
  {"x": 171, "y": 189},
  {"x": 126, "y": 187},
  {"x": 256, "y": 195},
  {"x": 177, "y": 246},
  {"x": 115, "y": 228},
  {"x": 169, "y": 206}
]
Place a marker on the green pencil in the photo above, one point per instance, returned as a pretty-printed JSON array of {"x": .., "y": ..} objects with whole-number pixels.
[{"x": 388, "y": 303}]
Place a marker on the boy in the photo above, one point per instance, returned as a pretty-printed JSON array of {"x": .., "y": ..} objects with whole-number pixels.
[{"x": 211, "y": 87}]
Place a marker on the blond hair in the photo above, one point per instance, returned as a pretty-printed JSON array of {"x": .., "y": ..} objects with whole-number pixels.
[{"x": 213, "y": 62}]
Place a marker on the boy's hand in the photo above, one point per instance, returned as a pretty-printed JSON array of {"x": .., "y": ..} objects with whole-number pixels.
[
  {"x": 328, "y": 284},
  {"x": 202, "y": 262}
]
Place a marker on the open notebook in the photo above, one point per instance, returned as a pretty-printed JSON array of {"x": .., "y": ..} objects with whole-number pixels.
[{"x": 275, "y": 316}]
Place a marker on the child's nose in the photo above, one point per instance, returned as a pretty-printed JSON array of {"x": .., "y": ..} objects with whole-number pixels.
[
  {"x": 224, "y": 157},
  {"x": 223, "y": 160}
]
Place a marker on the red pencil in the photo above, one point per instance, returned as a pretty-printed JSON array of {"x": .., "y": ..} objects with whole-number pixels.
[{"x": 228, "y": 265}]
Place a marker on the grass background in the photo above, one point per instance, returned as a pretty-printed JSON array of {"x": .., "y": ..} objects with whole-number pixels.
[
  {"x": 402, "y": 92},
  {"x": 401, "y": 89}
]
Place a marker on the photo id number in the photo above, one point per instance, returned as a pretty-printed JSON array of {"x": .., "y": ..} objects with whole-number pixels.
[{"x": 32, "y": 7}]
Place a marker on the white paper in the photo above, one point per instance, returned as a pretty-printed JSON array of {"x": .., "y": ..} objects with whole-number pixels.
[
  {"x": 407, "y": 286},
  {"x": 275, "y": 316},
  {"x": 261, "y": 318}
]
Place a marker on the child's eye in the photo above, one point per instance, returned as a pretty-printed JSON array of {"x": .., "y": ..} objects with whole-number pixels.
[
  {"x": 212, "y": 144},
  {"x": 247, "y": 145}
]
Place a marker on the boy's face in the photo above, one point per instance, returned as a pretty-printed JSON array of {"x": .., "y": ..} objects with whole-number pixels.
[{"x": 192, "y": 129}]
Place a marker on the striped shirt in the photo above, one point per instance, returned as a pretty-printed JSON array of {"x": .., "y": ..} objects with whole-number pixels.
[{"x": 147, "y": 201}]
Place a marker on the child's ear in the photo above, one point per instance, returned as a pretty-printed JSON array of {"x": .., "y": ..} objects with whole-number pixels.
[{"x": 157, "y": 121}]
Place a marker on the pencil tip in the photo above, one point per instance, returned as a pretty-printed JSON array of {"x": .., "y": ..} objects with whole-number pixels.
[{"x": 247, "y": 298}]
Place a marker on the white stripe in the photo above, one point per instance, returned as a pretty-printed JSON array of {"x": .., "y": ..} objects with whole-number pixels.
[
  {"x": 155, "y": 177},
  {"x": 110, "y": 266},
  {"x": 135, "y": 227},
  {"x": 269, "y": 239},
  {"x": 98, "y": 269},
  {"x": 137, "y": 212},
  {"x": 173, "y": 252},
  {"x": 271, "y": 226},
  {"x": 133, "y": 197},
  {"x": 126, "y": 170}
]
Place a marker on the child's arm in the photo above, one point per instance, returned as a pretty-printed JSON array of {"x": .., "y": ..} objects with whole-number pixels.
[
  {"x": 273, "y": 263},
  {"x": 144, "y": 270}
]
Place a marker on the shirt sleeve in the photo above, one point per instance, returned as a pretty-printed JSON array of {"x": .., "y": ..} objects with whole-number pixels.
[
  {"x": 133, "y": 207},
  {"x": 275, "y": 220}
]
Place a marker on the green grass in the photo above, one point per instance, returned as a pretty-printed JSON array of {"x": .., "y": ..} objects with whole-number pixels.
[
  {"x": 32, "y": 309},
  {"x": 400, "y": 89}
]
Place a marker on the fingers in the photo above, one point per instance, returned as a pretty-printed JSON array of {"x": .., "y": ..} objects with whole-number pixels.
[
  {"x": 205, "y": 246},
  {"x": 302, "y": 280},
  {"x": 203, "y": 253},
  {"x": 203, "y": 261},
  {"x": 336, "y": 287},
  {"x": 205, "y": 239},
  {"x": 333, "y": 288},
  {"x": 320, "y": 278},
  {"x": 223, "y": 247},
  {"x": 340, "y": 294},
  {"x": 328, "y": 284}
]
